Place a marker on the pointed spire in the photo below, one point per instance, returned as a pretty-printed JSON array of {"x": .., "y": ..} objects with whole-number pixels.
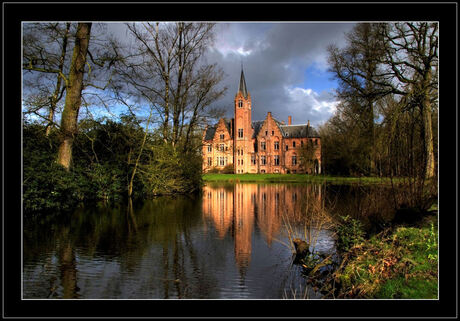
[{"x": 242, "y": 87}]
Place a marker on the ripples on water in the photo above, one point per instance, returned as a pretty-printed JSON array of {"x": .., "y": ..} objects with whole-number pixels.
[{"x": 226, "y": 243}]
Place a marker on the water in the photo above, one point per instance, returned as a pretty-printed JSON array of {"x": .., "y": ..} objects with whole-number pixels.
[{"x": 229, "y": 242}]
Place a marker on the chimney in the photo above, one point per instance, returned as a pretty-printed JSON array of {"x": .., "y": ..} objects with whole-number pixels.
[
  {"x": 269, "y": 114},
  {"x": 308, "y": 124},
  {"x": 289, "y": 120}
]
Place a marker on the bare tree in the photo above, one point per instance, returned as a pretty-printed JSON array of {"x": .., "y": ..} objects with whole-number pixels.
[
  {"x": 51, "y": 70},
  {"x": 45, "y": 51},
  {"x": 356, "y": 67},
  {"x": 412, "y": 57},
  {"x": 165, "y": 71}
]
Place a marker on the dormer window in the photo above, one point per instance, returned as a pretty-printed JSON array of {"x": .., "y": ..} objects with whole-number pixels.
[{"x": 240, "y": 103}]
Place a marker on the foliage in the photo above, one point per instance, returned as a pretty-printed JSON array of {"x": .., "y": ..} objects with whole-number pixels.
[
  {"x": 349, "y": 233},
  {"x": 102, "y": 165},
  {"x": 228, "y": 169},
  {"x": 170, "y": 171}
]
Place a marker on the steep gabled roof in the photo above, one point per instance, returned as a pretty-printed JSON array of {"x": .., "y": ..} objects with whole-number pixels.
[
  {"x": 257, "y": 125},
  {"x": 211, "y": 130},
  {"x": 298, "y": 131}
]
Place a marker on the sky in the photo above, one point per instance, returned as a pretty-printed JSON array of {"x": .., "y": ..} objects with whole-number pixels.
[{"x": 285, "y": 67}]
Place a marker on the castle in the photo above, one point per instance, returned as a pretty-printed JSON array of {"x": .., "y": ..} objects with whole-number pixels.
[{"x": 267, "y": 146}]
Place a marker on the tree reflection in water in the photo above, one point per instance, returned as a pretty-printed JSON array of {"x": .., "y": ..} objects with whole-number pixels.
[{"x": 224, "y": 243}]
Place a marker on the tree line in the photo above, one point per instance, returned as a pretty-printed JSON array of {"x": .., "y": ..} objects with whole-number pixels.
[
  {"x": 386, "y": 121},
  {"x": 108, "y": 113}
]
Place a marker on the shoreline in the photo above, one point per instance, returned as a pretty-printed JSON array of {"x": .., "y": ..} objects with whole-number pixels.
[{"x": 295, "y": 178}]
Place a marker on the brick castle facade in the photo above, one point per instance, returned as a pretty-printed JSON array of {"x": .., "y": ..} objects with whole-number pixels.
[{"x": 267, "y": 146}]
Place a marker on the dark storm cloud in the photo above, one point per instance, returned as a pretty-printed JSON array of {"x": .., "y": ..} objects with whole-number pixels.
[{"x": 275, "y": 56}]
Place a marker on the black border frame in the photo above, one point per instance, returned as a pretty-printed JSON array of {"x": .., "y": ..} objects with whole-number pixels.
[{"x": 14, "y": 13}]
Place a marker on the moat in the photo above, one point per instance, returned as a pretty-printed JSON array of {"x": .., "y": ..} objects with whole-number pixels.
[{"x": 228, "y": 242}]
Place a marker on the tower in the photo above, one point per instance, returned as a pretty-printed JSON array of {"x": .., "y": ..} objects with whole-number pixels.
[{"x": 243, "y": 146}]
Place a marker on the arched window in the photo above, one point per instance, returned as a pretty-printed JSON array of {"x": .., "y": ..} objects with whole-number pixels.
[{"x": 240, "y": 103}]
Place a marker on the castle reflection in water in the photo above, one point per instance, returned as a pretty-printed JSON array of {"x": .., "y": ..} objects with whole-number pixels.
[{"x": 237, "y": 209}]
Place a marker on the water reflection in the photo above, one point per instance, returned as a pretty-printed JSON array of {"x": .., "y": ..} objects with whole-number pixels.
[
  {"x": 238, "y": 208},
  {"x": 225, "y": 243}
]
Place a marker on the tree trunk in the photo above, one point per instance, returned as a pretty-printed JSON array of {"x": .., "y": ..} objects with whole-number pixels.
[
  {"x": 428, "y": 138},
  {"x": 73, "y": 95},
  {"x": 131, "y": 181}
]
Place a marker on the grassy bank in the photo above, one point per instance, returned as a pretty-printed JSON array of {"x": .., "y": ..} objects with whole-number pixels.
[
  {"x": 400, "y": 263},
  {"x": 292, "y": 178}
]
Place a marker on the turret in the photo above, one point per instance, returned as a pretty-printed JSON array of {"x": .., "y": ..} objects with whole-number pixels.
[{"x": 243, "y": 145}]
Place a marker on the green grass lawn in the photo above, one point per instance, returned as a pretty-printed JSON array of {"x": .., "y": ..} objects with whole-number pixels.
[{"x": 291, "y": 178}]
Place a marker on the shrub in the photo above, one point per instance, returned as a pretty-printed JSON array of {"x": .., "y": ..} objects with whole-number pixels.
[
  {"x": 214, "y": 170},
  {"x": 50, "y": 188},
  {"x": 228, "y": 169},
  {"x": 349, "y": 233}
]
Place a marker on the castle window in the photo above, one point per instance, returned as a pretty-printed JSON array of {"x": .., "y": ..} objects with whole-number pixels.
[
  {"x": 293, "y": 144},
  {"x": 287, "y": 147},
  {"x": 262, "y": 146},
  {"x": 316, "y": 142},
  {"x": 222, "y": 161},
  {"x": 241, "y": 162},
  {"x": 222, "y": 136},
  {"x": 263, "y": 160},
  {"x": 277, "y": 145},
  {"x": 266, "y": 133},
  {"x": 273, "y": 132},
  {"x": 240, "y": 133},
  {"x": 209, "y": 161},
  {"x": 209, "y": 148},
  {"x": 294, "y": 160},
  {"x": 238, "y": 152},
  {"x": 240, "y": 103},
  {"x": 241, "y": 152},
  {"x": 301, "y": 143},
  {"x": 277, "y": 159},
  {"x": 253, "y": 159},
  {"x": 221, "y": 147}
]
